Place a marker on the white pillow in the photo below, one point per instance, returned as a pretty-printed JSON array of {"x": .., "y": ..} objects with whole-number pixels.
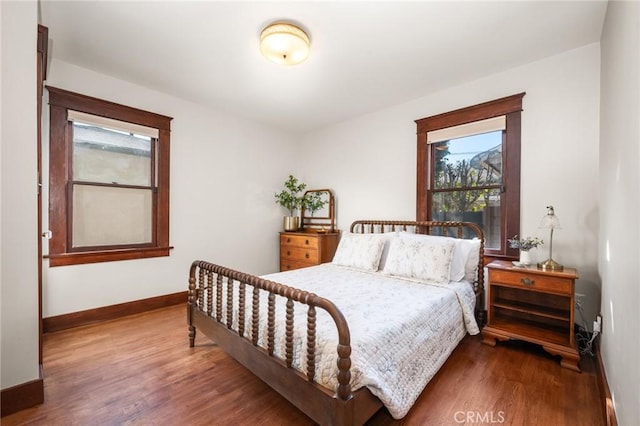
[
  {"x": 471, "y": 266},
  {"x": 361, "y": 251},
  {"x": 388, "y": 238},
  {"x": 460, "y": 253},
  {"x": 424, "y": 259}
]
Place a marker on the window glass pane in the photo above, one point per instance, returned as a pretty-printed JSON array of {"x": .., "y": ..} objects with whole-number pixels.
[
  {"x": 470, "y": 161},
  {"x": 110, "y": 156},
  {"x": 481, "y": 207},
  {"x": 106, "y": 215}
]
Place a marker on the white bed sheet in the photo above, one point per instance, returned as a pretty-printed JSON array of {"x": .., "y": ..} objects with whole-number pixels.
[{"x": 402, "y": 331}]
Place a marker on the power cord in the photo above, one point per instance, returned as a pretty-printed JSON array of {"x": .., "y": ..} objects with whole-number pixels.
[{"x": 584, "y": 338}]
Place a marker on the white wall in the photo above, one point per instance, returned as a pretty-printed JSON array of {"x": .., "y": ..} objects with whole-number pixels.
[
  {"x": 224, "y": 172},
  {"x": 19, "y": 299},
  {"x": 618, "y": 257},
  {"x": 370, "y": 161}
]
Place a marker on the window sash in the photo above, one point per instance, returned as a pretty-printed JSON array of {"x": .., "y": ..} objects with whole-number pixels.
[
  {"x": 434, "y": 185},
  {"x": 110, "y": 216},
  {"x": 82, "y": 167}
]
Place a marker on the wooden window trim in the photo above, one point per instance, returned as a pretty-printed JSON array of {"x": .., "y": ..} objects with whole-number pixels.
[
  {"x": 60, "y": 252},
  {"x": 511, "y": 107}
]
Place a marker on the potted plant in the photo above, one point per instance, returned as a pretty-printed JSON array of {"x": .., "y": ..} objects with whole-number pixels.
[
  {"x": 290, "y": 199},
  {"x": 524, "y": 245}
]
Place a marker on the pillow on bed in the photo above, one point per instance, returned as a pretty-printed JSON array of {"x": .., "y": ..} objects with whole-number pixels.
[
  {"x": 460, "y": 253},
  {"x": 361, "y": 251},
  {"x": 420, "y": 258},
  {"x": 388, "y": 238},
  {"x": 471, "y": 266}
]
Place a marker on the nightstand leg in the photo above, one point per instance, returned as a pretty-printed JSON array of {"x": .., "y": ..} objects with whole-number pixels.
[
  {"x": 488, "y": 340},
  {"x": 568, "y": 359},
  {"x": 490, "y": 337}
]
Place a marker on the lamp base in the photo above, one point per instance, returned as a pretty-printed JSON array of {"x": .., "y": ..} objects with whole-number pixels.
[{"x": 550, "y": 265}]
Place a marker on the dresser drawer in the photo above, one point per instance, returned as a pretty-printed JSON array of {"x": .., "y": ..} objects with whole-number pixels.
[
  {"x": 302, "y": 249},
  {"x": 305, "y": 241},
  {"x": 531, "y": 281},
  {"x": 289, "y": 265},
  {"x": 300, "y": 254}
]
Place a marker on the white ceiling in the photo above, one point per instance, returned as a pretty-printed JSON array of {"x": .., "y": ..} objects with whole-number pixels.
[{"x": 364, "y": 55}]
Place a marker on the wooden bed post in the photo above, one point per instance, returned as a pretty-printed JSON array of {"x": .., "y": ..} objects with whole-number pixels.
[{"x": 191, "y": 304}]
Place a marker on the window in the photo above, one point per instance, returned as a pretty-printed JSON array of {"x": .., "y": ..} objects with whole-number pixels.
[
  {"x": 469, "y": 169},
  {"x": 108, "y": 179}
]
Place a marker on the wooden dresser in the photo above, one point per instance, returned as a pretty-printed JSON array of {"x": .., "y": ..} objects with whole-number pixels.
[
  {"x": 302, "y": 249},
  {"x": 532, "y": 305}
]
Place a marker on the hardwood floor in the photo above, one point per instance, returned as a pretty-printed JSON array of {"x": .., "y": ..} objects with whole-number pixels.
[{"x": 139, "y": 370}]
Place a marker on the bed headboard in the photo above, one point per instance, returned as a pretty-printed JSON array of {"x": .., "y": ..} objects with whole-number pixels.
[{"x": 466, "y": 230}]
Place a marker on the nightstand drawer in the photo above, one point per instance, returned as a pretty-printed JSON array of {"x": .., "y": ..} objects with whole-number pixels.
[
  {"x": 531, "y": 281},
  {"x": 299, "y": 254},
  {"x": 298, "y": 241}
]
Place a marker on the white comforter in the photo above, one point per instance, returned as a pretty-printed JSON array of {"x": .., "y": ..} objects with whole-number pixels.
[{"x": 402, "y": 331}]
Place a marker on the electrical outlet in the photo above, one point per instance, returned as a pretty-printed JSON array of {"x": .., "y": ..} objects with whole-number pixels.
[{"x": 597, "y": 324}]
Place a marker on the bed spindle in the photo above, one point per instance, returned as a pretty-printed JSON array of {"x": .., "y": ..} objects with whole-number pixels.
[
  {"x": 311, "y": 343},
  {"x": 241, "y": 302},
  {"x": 201, "y": 288},
  {"x": 191, "y": 302},
  {"x": 219, "y": 298},
  {"x": 271, "y": 323},
  {"x": 229, "y": 302},
  {"x": 209, "y": 293},
  {"x": 255, "y": 321},
  {"x": 289, "y": 332}
]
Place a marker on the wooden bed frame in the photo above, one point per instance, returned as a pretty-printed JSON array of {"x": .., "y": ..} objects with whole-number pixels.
[{"x": 341, "y": 406}]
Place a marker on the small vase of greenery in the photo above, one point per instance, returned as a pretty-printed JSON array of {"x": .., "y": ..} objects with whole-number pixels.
[{"x": 524, "y": 245}]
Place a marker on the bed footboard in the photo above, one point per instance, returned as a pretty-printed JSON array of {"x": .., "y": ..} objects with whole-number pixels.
[{"x": 214, "y": 309}]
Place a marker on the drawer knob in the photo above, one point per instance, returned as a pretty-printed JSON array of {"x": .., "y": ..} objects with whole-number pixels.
[
  {"x": 306, "y": 255},
  {"x": 288, "y": 240},
  {"x": 527, "y": 281},
  {"x": 288, "y": 253},
  {"x": 306, "y": 242}
]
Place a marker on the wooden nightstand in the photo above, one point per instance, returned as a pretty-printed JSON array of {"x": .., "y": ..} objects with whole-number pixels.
[
  {"x": 532, "y": 305},
  {"x": 302, "y": 249}
]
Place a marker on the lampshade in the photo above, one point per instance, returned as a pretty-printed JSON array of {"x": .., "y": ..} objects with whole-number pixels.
[
  {"x": 284, "y": 44},
  {"x": 550, "y": 221}
]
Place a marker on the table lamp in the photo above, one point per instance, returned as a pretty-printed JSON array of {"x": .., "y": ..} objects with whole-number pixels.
[{"x": 550, "y": 221}]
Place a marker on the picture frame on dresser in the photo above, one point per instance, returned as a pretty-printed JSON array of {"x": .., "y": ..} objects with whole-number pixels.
[{"x": 323, "y": 219}]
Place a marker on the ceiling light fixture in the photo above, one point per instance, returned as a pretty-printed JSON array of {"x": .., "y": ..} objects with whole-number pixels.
[{"x": 284, "y": 43}]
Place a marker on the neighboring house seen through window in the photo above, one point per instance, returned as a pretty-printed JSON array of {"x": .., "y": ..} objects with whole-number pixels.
[
  {"x": 109, "y": 181},
  {"x": 469, "y": 169}
]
